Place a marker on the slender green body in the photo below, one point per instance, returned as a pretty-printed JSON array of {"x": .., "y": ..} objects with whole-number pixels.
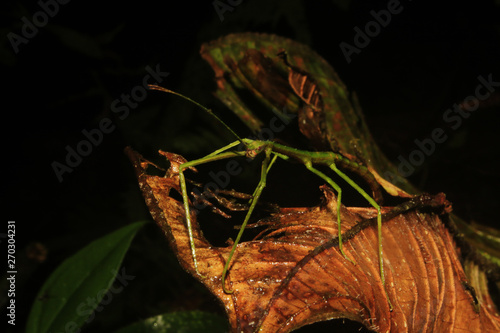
[
  {"x": 303, "y": 156},
  {"x": 272, "y": 150},
  {"x": 326, "y": 158}
]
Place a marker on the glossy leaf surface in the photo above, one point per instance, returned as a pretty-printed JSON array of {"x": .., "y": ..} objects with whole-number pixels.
[
  {"x": 296, "y": 275},
  {"x": 62, "y": 302}
]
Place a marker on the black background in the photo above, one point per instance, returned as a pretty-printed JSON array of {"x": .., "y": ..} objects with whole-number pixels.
[{"x": 66, "y": 77}]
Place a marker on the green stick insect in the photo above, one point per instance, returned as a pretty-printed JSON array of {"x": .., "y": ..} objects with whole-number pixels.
[{"x": 272, "y": 151}]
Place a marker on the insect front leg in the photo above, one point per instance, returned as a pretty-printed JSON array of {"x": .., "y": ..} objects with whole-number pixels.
[
  {"x": 221, "y": 154},
  {"x": 187, "y": 212}
]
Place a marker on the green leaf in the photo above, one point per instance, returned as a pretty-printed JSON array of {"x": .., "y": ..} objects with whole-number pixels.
[
  {"x": 63, "y": 303},
  {"x": 185, "y": 322}
]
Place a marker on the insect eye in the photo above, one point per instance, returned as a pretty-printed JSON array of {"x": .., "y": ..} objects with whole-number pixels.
[{"x": 251, "y": 153}]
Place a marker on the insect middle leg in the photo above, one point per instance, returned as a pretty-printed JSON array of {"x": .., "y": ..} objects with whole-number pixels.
[{"x": 266, "y": 166}]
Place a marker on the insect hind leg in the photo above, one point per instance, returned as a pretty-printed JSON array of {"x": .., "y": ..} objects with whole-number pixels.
[
  {"x": 379, "y": 221},
  {"x": 339, "y": 200}
]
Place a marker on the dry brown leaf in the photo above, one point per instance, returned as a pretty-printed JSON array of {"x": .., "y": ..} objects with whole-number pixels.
[{"x": 296, "y": 275}]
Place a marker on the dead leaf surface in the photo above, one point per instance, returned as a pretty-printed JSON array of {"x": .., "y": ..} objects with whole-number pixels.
[{"x": 296, "y": 275}]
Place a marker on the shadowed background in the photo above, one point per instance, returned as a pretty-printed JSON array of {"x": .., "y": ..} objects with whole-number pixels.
[{"x": 66, "y": 78}]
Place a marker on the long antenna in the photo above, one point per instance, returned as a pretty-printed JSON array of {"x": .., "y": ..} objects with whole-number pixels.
[{"x": 155, "y": 87}]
